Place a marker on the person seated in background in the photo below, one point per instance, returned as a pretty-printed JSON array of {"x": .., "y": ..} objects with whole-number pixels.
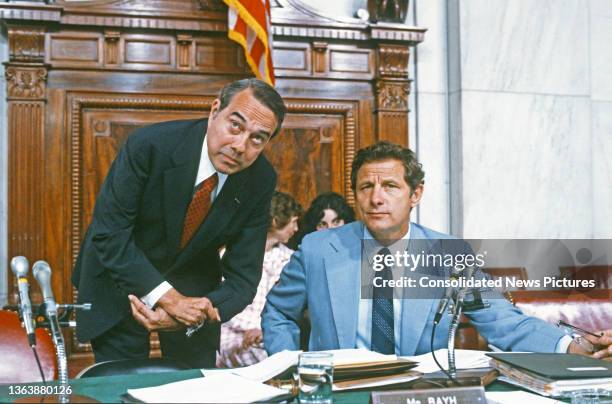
[
  {"x": 327, "y": 211},
  {"x": 241, "y": 338},
  {"x": 325, "y": 275}
]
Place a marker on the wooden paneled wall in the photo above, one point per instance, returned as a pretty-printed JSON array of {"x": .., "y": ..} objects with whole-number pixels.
[{"x": 82, "y": 75}]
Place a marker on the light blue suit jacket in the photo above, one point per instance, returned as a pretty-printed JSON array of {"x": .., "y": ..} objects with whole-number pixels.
[{"x": 324, "y": 275}]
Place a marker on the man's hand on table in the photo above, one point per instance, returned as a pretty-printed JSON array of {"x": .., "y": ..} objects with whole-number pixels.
[{"x": 603, "y": 346}]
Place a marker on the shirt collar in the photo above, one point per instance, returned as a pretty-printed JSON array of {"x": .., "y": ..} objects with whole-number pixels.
[
  {"x": 368, "y": 236},
  {"x": 372, "y": 246},
  {"x": 206, "y": 168}
]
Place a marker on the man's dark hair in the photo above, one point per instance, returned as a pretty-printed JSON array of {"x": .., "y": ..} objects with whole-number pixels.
[
  {"x": 383, "y": 150},
  {"x": 282, "y": 208},
  {"x": 262, "y": 91}
]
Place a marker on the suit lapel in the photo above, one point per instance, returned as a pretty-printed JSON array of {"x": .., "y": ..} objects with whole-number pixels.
[
  {"x": 415, "y": 312},
  {"x": 343, "y": 271},
  {"x": 179, "y": 183}
]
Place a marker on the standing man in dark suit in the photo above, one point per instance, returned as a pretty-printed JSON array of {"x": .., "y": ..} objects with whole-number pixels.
[{"x": 176, "y": 192}]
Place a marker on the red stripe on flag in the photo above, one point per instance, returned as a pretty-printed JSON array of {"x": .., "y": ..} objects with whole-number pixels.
[
  {"x": 257, "y": 50},
  {"x": 257, "y": 10},
  {"x": 252, "y": 31}
]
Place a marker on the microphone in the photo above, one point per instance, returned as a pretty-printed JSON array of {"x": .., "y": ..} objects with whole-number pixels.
[
  {"x": 448, "y": 295},
  {"x": 20, "y": 267},
  {"x": 42, "y": 273}
]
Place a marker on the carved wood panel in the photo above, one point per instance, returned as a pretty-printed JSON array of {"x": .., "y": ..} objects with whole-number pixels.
[{"x": 314, "y": 151}]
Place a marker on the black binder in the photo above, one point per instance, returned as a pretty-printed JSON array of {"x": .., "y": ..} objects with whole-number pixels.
[{"x": 557, "y": 366}]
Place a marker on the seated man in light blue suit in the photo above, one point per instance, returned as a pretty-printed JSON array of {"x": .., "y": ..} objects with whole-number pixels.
[{"x": 325, "y": 276}]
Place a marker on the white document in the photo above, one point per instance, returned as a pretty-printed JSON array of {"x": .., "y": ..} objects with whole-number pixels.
[
  {"x": 464, "y": 359},
  {"x": 261, "y": 371},
  {"x": 269, "y": 367},
  {"x": 353, "y": 356},
  {"x": 513, "y": 397},
  {"x": 215, "y": 388}
]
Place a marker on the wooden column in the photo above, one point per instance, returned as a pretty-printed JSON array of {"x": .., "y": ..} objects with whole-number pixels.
[
  {"x": 26, "y": 78},
  {"x": 392, "y": 88}
]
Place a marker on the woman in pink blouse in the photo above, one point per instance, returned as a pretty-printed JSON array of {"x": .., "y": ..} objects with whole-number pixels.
[{"x": 241, "y": 338}]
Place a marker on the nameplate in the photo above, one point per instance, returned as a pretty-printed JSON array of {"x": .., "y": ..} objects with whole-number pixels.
[{"x": 455, "y": 395}]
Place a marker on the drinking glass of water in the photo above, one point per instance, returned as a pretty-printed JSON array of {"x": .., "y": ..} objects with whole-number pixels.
[{"x": 316, "y": 376}]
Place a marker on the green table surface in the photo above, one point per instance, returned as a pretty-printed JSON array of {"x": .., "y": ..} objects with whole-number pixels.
[{"x": 110, "y": 388}]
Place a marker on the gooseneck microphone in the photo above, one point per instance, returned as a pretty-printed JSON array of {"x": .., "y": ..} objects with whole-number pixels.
[
  {"x": 20, "y": 267},
  {"x": 448, "y": 295},
  {"x": 42, "y": 273}
]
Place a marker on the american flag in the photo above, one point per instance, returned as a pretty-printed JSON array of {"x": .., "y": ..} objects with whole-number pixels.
[{"x": 249, "y": 23}]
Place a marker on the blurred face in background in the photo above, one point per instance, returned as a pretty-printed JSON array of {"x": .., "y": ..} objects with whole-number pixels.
[
  {"x": 329, "y": 220},
  {"x": 284, "y": 233}
]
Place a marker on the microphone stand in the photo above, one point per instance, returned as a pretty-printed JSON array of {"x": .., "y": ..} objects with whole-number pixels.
[
  {"x": 62, "y": 361},
  {"x": 458, "y": 305},
  {"x": 55, "y": 324},
  {"x": 60, "y": 347},
  {"x": 456, "y": 309}
]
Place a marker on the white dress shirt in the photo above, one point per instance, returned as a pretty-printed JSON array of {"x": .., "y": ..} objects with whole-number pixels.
[{"x": 205, "y": 170}]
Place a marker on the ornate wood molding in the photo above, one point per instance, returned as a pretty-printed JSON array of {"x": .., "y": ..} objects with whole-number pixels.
[
  {"x": 384, "y": 31},
  {"x": 392, "y": 95},
  {"x": 183, "y": 53},
  {"x": 25, "y": 218},
  {"x": 290, "y": 18},
  {"x": 24, "y": 82},
  {"x": 30, "y": 12},
  {"x": 393, "y": 61},
  {"x": 26, "y": 44},
  {"x": 392, "y": 89},
  {"x": 111, "y": 54}
]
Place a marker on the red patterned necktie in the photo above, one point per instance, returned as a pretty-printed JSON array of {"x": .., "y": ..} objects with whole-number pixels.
[{"x": 198, "y": 208}]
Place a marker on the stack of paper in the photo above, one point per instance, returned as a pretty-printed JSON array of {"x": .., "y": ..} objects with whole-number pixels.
[
  {"x": 464, "y": 359},
  {"x": 361, "y": 368},
  {"x": 345, "y": 360}
]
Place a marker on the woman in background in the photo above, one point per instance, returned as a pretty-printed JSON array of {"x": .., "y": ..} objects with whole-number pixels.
[
  {"x": 241, "y": 338},
  {"x": 327, "y": 210}
]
